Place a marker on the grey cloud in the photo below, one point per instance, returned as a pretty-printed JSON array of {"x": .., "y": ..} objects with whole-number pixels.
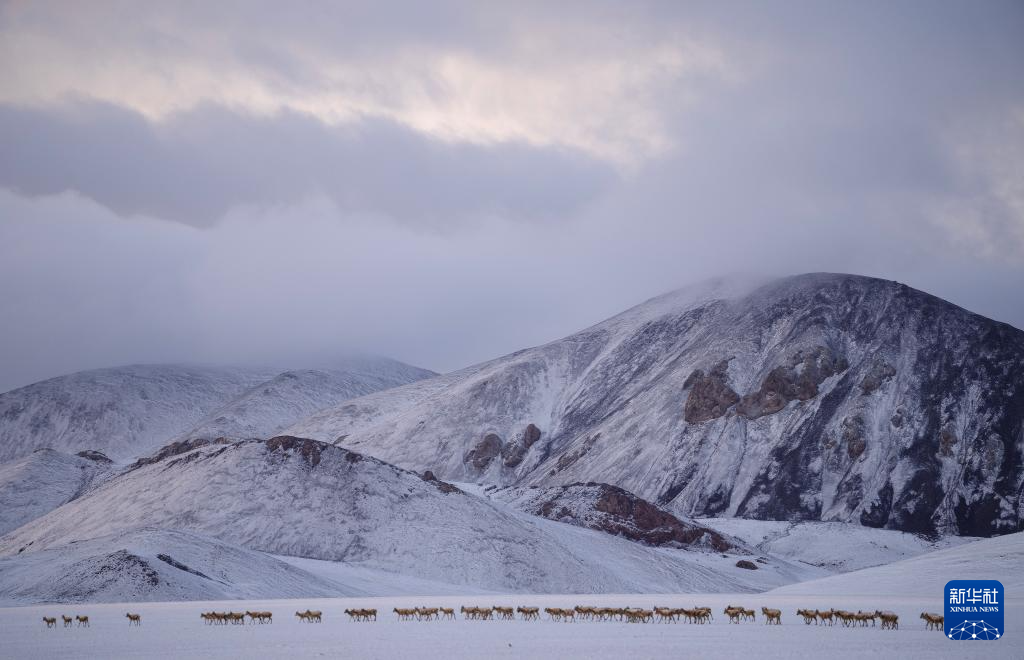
[
  {"x": 831, "y": 150},
  {"x": 197, "y": 165}
]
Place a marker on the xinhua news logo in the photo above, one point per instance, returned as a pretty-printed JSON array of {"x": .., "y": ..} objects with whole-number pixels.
[{"x": 974, "y": 610}]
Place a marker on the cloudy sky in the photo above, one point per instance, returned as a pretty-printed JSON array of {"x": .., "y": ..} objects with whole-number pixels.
[{"x": 447, "y": 182}]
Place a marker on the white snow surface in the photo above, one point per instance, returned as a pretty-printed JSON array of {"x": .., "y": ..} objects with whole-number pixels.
[
  {"x": 128, "y": 412},
  {"x": 42, "y": 481},
  {"x": 839, "y": 547},
  {"x": 1000, "y": 558},
  {"x": 174, "y": 630}
]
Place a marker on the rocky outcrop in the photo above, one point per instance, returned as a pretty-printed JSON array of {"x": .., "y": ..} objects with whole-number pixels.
[
  {"x": 442, "y": 486},
  {"x": 880, "y": 372},
  {"x": 747, "y": 564},
  {"x": 485, "y": 451},
  {"x": 616, "y": 511},
  {"x": 309, "y": 449},
  {"x": 853, "y": 436},
  {"x": 175, "y": 449},
  {"x": 514, "y": 452},
  {"x": 797, "y": 380},
  {"x": 93, "y": 455},
  {"x": 710, "y": 395}
]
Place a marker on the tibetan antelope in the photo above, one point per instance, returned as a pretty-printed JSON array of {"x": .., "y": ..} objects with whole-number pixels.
[
  {"x": 809, "y": 615},
  {"x": 134, "y": 619},
  {"x": 506, "y": 613},
  {"x": 933, "y": 621},
  {"x": 426, "y": 613},
  {"x": 50, "y": 621},
  {"x": 82, "y": 620},
  {"x": 772, "y": 616},
  {"x": 529, "y": 613},
  {"x": 67, "y": 620},
  {"x": 890, "y": 620}
]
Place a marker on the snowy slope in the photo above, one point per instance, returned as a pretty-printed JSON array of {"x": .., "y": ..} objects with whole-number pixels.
[
  {"x": 127, "y": 412},
  {"x": 1000, "y": 558},
  {"x": 153, "y": 565},
  {"x": 123, "y": 411},
  {"x": 303, "y": 498},
  {"x": 816, "y": 397},
  {"x": 839, "y": 547},
  {"x": 288, "y": 397},
  {"x": 42, "y": 481}
]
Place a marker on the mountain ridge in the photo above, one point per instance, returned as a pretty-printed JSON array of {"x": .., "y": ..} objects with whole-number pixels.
[{"x": 701, "y": 398}]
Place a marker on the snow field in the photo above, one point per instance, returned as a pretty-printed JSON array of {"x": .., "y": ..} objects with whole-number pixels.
[{"x": 174, "y": 630}]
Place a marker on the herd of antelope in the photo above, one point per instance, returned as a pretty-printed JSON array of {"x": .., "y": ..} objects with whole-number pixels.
[
  {"x": 889, "y": 620},
  {"x": 51, "y": 621},
  {"x": 698, "y": 615}
]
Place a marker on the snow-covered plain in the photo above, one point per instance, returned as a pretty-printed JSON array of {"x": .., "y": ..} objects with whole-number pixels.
[{"x": 174, "y": 630}]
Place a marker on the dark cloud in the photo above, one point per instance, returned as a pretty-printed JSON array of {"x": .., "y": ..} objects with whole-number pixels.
[{"x": 197, "y": 165}]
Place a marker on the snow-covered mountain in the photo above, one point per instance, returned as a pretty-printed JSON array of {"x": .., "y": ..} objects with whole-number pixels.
[
  {"x": 835, "y": 546},
  {"x": 42, "y": 481},
  {"x": 153, "y": 565},
  {"x": 816, "y": 397},
  {"x": 304, "y": 498},
  {"x": 126, "y": 412}
]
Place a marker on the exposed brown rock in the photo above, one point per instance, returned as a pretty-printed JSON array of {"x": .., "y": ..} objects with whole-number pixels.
[
  {"x": 481, "y": 455},
  {"x": 624, "y": 514},
  {"x": 514, "y": 452},
  {"x": 93, "y": 455},
  {"x": 176, "y": 448},
  {"x": 947, "y": 438},
  {"x": 747, "y": 564},
  {"x": 310, "y": 449},
  {"x": 710, "y": 395},
  {"x": 797, "y": 380},
  {"x": 442, "y": 486},
  {"x": 876, "y": 376},
  {"x": 853, "y": 436}
]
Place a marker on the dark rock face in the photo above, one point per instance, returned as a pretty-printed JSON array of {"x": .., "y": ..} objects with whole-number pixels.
[
  {"x": 309, "y": 449},
  {"x": 167, "y": 559},
  {"x": 442, "y": 486},
  {"x": 710, "y": 395},
  {"x": 175, "y": 449},
  {"x": 880, "y": 372},
  {"x": 616, "y": 511},
  {"x": 853, "y": 436},
  {"x": 93, "y": 455},
  {"x": 797, "y": 380},
  {"x": 947, "y": 438},
  {"x": 747, "y": 564},
  {"x": 485, "y": 451},
  {"x": 514, "y": 452}
]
